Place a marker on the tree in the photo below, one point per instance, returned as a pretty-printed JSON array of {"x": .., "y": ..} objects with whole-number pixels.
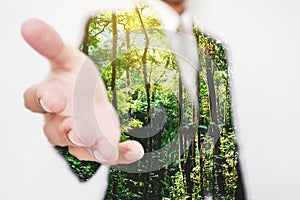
[{"x": 140, "y": 80}]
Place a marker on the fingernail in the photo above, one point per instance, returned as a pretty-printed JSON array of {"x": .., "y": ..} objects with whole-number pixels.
[
  {"x": 45, "y": 107},
  {"x": 132, "y": 156},
  {"x": 99, "y": 157},
  {"x": 74, "y": 139}
]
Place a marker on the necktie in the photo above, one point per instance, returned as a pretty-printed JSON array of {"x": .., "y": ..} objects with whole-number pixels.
[{"x": 187, "y": 58}]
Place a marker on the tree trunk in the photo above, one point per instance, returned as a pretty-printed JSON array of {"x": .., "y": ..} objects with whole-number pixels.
[
  {"x": 114, "y": 56},
  {"x": 127, "y": 70},
  {"x": 188, "y": 170},
  {"x": 217, "y": 180},
  {"x": 147, "y": 88},
  {"x": 181, "y": 146}
]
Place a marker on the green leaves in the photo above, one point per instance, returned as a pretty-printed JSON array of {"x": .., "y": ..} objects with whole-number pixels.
[
  {"x": 83, "y": 169},
  {"x": 208, "y": 167}
]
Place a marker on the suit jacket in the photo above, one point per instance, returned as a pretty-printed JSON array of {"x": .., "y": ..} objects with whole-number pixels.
[{"x": 190, "y": 144}]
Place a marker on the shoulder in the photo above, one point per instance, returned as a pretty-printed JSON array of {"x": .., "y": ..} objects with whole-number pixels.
[{"x": 213, "y": 46}]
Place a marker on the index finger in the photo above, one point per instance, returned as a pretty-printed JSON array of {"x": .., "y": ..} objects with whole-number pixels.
[{"x": 47, "y": 42}]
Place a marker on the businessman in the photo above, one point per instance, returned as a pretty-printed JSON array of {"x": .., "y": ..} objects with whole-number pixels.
[{"x": 54, "y": 96}]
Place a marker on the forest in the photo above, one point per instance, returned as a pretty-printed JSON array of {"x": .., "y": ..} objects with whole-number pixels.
[{"x": 143, "y": 82}]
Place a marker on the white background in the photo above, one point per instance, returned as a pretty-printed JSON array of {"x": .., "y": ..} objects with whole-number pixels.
[{"x": 263, "y": 37}]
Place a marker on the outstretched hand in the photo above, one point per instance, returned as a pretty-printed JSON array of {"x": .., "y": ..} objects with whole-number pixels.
[{"x": 54, "y": 99}]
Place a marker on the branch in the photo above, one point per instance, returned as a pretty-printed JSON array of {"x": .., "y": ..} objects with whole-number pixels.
[{"x": 101, "y": 30}]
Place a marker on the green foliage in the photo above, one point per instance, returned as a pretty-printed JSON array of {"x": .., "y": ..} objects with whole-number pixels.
[
  {"x": 83, "y": 169},
  {"x": 208, "y": 167}
]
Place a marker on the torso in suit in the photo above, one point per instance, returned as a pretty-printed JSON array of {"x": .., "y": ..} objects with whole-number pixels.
[{"x": 189, "y": 138}]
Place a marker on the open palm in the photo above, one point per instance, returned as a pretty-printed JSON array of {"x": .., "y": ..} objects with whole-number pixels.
[{"x": 54, "y": 99}]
